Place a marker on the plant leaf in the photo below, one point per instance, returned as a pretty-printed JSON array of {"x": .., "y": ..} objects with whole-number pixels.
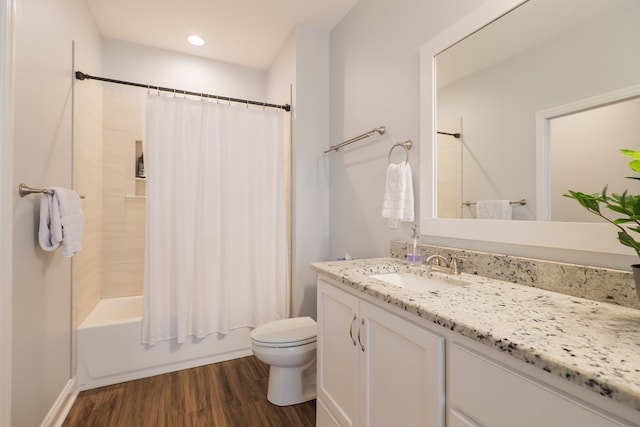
[
  {"x": 634, "y": 164},
  {"x": 630, "y": 153},
  {"x": 589, "y": 202},
  {"x": 627, "y": 240}
]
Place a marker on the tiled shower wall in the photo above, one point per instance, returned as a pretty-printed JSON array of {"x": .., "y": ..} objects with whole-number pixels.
[
  {"x": 87, "y": 180},
  {"x": 123, "y": 208}
]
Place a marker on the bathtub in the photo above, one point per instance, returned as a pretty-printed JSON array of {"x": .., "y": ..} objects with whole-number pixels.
[{"x": 110, "y": 351}]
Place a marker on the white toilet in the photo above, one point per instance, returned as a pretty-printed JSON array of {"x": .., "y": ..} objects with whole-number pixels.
[{"x": 289, "y": 347}]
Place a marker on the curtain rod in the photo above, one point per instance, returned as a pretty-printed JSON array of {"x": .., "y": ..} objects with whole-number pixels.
[{"x": 83, "y": 76}]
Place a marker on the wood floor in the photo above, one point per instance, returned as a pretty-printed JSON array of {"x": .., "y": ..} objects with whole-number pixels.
[{"x": 227, "y": 394}]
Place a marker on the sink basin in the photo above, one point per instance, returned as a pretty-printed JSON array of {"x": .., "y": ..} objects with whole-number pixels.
[{"x": 413, "y": 281}]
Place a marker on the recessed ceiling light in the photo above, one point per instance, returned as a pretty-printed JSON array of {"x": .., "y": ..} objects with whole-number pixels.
[{"x": 195, "y": 40}]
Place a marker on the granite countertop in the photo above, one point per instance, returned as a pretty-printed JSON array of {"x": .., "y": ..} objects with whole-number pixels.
[{"x": 593, "y": 344}]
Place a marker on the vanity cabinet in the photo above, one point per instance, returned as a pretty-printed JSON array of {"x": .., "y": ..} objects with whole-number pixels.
[
  {"x": 484, "y": 392},
  {"x": 375, "y": 368}
]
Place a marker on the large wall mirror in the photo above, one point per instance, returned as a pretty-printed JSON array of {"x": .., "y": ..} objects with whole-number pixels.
[{"x": 523, "y": 101}]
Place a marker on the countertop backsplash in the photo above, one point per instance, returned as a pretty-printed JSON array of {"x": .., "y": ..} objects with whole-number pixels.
[{"x": 593, "y": 283}]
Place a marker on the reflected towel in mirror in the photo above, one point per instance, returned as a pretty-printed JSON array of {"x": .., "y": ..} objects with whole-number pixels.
[{"x": 493, "y": 209}]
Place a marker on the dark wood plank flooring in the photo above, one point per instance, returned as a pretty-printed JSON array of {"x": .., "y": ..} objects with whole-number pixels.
[{"x": 226, "y": 394}]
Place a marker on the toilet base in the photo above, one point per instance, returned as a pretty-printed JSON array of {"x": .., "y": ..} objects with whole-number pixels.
[{"x": 290, "y": 386}]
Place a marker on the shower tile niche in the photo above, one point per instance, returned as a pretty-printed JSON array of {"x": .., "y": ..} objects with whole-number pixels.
[{"x": 139, "y": 177}]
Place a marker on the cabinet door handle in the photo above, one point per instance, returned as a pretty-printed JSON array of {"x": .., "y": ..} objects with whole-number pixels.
[
  {"x": 359, "y": 339},
  {"x": 351, "y": 330}
]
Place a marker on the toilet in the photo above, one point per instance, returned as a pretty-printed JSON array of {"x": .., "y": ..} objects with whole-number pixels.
[{"x": 289, "y": 347}]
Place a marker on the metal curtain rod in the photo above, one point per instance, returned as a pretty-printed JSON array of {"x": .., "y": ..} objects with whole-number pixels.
[
  {"x": 520, "y": 202},
  {"x": 83, "y": 76},
  {"x": 336, "y": 147},
  {"x": 455, "y": 135}
]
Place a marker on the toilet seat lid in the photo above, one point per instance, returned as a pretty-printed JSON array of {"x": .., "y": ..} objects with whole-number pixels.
[{"x": 284, "y": 331}]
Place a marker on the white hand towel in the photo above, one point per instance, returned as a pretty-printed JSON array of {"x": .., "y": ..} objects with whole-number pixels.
[
  {"x": 398, "y": 194},
  {"x": 50, "y": 229},
  {"x": 61, "y": 221},
  {"x": 493, "y": 209}
]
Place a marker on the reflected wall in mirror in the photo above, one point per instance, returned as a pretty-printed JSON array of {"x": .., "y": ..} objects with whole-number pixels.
[
  {"x": 584, "y": 155},
  {"x": 539, "y": 56}
]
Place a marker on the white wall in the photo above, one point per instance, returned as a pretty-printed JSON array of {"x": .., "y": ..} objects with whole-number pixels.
[
  {"x": 6, "y": 205},
  {"x": 281, "y": 75},
  {"x": 41, "y": 302},
  {"x": 303, "y": 64},
  {"x": 310, "y": 166},
  {"x": 589, "y": 141},
  {"x": 375, "y": 81},
  {"x": 141, "y": 64},
  {"x": 281, "y": 79}
]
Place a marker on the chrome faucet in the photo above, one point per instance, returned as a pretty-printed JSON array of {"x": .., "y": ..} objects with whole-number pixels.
[{"x": 450, "y": 265}]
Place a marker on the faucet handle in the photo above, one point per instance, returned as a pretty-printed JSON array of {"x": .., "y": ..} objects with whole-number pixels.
[{"x": 456, "y": 261}]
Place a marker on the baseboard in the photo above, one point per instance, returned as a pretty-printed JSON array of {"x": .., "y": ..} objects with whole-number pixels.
[{"x": 61, "y": 406}]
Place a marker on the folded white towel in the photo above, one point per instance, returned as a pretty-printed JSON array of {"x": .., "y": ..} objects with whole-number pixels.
[
  {"x": 493, "y": 209},
  {"x": 50, "y": 229},
  {"x": 398, "y": 194},
  {"x": 61, "y": 221}
]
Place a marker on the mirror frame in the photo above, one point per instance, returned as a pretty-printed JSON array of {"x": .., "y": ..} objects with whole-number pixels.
[{"x": 591, "y": 237}]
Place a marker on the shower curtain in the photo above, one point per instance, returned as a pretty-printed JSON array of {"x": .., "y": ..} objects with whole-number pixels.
[{"x": 216, "y": 254}]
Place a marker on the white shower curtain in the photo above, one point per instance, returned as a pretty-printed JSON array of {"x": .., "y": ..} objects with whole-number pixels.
[{"x": 216, "y": 243}]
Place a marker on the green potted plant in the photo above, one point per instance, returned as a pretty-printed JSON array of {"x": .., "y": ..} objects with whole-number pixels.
[{"x": 621, "y": 210}]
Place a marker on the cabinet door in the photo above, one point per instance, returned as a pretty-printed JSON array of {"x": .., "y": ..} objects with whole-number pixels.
[
  {"x": 337, "y": 355},
  {"x": 402, "y": 371},
  {"x": 458, "y": 419},
  {"x": 323, "y": 416},
  {"x": 495, "y": 395}
]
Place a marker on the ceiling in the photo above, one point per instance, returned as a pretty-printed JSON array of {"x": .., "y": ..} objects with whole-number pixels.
[{"x": 244, "y": 32}]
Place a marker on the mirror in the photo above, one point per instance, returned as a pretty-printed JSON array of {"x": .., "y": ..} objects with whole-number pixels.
[
  {"x": 539, "y": 56},
  {"x": 511, "y": 157}
]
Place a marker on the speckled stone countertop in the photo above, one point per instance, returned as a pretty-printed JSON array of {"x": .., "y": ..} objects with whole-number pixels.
[{"x": 593, "y": 344}]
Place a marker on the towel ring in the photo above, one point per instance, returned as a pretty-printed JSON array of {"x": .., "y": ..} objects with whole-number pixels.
[{"x": 406, "y": 145}]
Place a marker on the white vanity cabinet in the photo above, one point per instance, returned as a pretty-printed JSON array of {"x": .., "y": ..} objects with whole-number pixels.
[
  {"x": 484, "y": 392},
  {"x": 375, "y": 368}
]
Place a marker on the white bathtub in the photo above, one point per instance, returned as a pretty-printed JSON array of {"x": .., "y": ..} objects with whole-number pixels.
[{"x": 109, "y": 348}]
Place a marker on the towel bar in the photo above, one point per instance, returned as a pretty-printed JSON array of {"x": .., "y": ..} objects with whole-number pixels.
[
  {"x": 455, "y": 135},
  {"x": 25, "y": 190},
  {"x": 520, "y": 202},
  {"x": 380, "y": 130}
]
